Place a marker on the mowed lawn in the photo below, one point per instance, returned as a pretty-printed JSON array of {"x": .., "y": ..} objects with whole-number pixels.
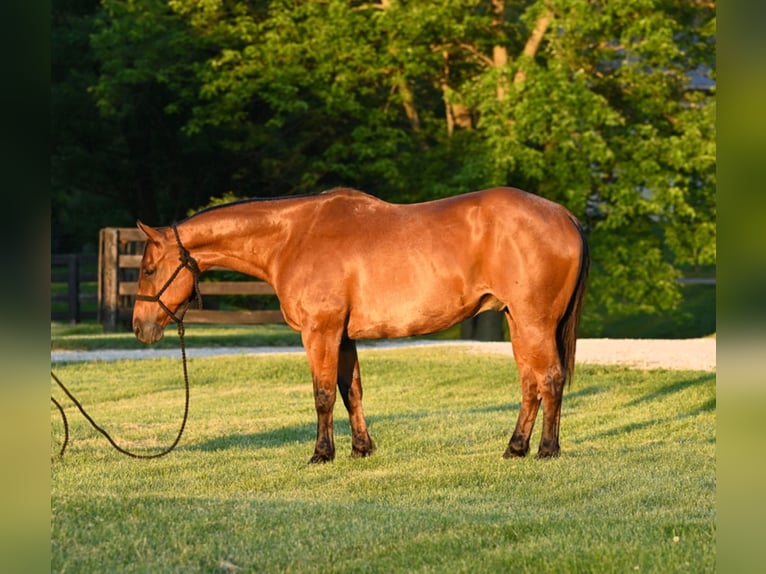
[{"x": 633, "y": 490}]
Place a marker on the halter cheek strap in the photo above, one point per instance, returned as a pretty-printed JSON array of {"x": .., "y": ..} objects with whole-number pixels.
[{"x": 186, "y": 262}]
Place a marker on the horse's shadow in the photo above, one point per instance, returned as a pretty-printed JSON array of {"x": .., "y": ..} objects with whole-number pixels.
[
  {"x": 278, "y": 437},
  {"x": 661, "y": 416},
  {"x": 676, "y": 387},
  {"x": 270, "y": 438}
]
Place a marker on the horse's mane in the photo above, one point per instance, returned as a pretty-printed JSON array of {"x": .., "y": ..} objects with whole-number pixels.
[{"x": 247, "y": 200}]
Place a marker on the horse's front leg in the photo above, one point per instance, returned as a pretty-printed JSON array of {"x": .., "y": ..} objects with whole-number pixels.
[
  {"x": 530, "y": 403},
  {"x": 350, "y": 385},
  {"x": 322, "y": 352}
]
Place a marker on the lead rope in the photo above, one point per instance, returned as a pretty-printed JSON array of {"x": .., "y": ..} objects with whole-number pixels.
[
  {"x": 186, "y": 261},
  {"x": 105, "y": 433}
]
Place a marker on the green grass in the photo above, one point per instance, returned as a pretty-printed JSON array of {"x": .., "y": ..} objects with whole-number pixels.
[{"x": 634, "y": 488}]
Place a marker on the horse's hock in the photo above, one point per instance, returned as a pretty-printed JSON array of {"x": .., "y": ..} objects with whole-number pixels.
[{"x": 119, "y": 259}]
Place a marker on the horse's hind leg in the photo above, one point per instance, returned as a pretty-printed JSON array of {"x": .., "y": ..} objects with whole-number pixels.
[
  {"x": 350, "y": 385},
  {"x": 542, "y": 380},
  {"x": 530, "y": 400},
  {"x": 552, "y": 391}
]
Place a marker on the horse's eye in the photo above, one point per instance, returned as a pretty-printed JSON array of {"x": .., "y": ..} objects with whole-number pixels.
[{"x": 148, "y": 272}]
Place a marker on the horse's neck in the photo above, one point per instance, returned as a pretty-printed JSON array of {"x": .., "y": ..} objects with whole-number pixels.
[{"x": 242, "y": 240}]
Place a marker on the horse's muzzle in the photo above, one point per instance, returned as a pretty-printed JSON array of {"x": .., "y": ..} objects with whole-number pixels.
[{"x": 148, "y": 331}]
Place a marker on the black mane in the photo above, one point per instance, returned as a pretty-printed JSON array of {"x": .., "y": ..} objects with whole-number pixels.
[{"x": 251, "y": 200}]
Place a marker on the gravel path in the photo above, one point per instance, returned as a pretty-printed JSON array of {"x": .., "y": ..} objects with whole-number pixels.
[{"x": 681, "y": 354}]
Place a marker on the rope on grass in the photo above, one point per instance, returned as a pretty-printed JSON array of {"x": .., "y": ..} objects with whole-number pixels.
[{"x": 105, "y": 433}]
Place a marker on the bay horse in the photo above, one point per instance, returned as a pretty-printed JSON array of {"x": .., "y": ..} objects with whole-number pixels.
[{"x": 347, "y": 266}]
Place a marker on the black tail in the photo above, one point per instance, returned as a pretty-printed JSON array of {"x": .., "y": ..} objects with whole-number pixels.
[{"x": 566, "y": 333}]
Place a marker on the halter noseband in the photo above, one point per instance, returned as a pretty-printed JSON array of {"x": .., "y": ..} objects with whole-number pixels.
[{"x": 186, "y": 262}]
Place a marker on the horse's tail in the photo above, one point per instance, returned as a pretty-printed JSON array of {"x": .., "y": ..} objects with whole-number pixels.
[{"x": 566, "y": 333}]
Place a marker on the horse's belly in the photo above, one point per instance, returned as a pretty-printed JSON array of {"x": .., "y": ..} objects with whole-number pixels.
[
  {"x": 393, "y": 327},
  {"x": 405, "y": 314}
]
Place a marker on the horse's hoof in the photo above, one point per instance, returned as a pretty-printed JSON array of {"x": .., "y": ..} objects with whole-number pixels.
[
  {"x": 517, "y": 448},
  {"x": 364, "y": 450},
  {"x": 321, "y": 458},
  {"x": 545, "y": 453},
  {"x": 512, "y": 453},
  {"x": 356, "y": 453}
]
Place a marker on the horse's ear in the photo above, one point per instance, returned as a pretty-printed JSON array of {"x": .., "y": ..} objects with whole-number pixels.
[{"x": 152, "y": 234}]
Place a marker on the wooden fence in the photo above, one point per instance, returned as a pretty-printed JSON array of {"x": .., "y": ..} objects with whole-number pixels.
[
  {"x": 120, "y": 253},
  {"x": 73, "y": 271}
]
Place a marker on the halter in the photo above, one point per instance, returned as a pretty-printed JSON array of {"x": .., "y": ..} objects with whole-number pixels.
[{"x": 186, "y": 262}]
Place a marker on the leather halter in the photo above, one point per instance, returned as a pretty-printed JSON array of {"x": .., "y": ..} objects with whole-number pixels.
[{"x": 186, "y": 262}]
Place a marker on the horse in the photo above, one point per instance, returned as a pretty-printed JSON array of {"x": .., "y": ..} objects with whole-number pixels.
[{"x": 347, "y": 266}]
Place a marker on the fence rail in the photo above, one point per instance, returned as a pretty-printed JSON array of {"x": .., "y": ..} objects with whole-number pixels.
[
  {"x": 120, "y": 254},
  {"x": 73, "y": 272}
]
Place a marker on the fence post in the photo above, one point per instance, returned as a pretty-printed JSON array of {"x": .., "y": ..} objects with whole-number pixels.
[
  {"x": 108, "y": 269},
  {"x": 73, "y": 287}
]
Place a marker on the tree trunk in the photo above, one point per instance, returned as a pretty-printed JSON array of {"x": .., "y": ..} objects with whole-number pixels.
[
  {"x": 457, "y": 115},
  {"x": 533, "y": 43},
  {"x": 499, "y": 52}
]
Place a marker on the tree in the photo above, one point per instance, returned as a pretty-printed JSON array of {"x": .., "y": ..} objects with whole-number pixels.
[
  {"x": 603, "y": 111},
  {"x": 121, "y": 76},
  {"x": 83, "y": 197}
]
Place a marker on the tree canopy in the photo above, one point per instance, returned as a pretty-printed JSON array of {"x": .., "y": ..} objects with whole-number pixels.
[{"x": 605, "y": 106}]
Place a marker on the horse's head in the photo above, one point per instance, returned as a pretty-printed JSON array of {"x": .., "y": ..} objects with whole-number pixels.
[{"x": 166, "y": 283}]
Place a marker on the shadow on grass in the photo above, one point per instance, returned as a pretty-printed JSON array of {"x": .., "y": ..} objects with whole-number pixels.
[
  {"x": 584, "y": 392},
  {"x": 306, "y": 433},
  {"x": 707, "y": 406},
  {"x": 670, "y": 389},
  {"x": 272, "y": 438}
]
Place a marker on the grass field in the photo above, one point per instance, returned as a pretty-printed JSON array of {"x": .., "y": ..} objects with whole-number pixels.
[{"x": 633, "y": 491}]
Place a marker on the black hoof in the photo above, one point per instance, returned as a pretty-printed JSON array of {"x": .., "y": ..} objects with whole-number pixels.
[
  {"x": 513, "y": 453},
  {"x": 321, "y": 458},
  {"x": 543, "y": 455},
  {"x": 517, "y": 448},
  {"x": 363, "y": 449},
  {"x": 356, "y": 453},
  {"x": 548, "y": 451}
]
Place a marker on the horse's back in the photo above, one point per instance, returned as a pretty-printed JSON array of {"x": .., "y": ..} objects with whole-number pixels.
[
  {"x": 480, "y": 228},
  {"x": 503, "y": 204}
]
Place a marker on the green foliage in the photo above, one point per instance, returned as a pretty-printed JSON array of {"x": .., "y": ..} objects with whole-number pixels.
[
  {"x": 609, "y": 110},
  {"x": 634, "y": 488},
  {"x": 694, "y": 317}
]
